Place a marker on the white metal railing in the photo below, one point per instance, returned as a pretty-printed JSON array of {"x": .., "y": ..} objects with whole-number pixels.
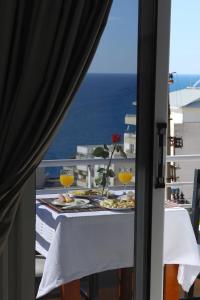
[
  {"x": 83, "y": 162},
  {"x": 178, "y": 158},
  {"x": 179, "y": 183},
  {"x": 101, "y": 161},
  {"x": 88, "y": 162},
  {"x": 190, "y": 157},
  {"x": 91, "y": 162}
]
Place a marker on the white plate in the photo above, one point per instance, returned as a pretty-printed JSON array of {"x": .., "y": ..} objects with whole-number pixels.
[
  {"x": 75, "y": 193},
  {"x": 75, "y": 203},
  {"x": 119, "y": 209},
  {"x": 81, "y": 201}
]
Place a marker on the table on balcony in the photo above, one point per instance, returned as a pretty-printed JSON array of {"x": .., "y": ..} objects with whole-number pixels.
[{"x": 79, "y": 244}]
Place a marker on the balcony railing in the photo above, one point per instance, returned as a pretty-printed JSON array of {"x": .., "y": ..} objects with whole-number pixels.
[
  {"x": 91, "y": 162},
  {"x": 189, "y": 157},
  {"x": 179, "y": 158},
  {"x": 88, "y": 162},
  {"x": 83, "y": 162}
]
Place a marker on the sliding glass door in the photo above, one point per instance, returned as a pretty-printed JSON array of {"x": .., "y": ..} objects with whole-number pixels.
[
  {"x": 153, "y": 62},
  {"x": 152, "y": 96}
]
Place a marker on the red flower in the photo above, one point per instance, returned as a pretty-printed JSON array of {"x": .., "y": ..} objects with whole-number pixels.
[{"x": 116, "y": 138}]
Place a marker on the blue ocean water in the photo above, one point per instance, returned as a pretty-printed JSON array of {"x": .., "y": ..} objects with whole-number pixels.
[
  {"x": 183, "y": 81},
  {"x": 98, "y": 111}
]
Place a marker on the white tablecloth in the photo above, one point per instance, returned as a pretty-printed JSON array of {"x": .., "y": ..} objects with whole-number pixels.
[{"x": 78, "y": 244}]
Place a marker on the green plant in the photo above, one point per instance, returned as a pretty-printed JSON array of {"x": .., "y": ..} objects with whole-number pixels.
[{"x": 106, "y": 152}]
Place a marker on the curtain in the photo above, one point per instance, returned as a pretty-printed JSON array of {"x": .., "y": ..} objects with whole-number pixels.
[{"x": 46, "y": 47}]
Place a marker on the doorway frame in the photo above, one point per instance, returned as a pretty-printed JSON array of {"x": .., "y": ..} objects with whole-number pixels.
[
  {"x": 152, "y": 95},
  {"x": 153, "y": 62}
]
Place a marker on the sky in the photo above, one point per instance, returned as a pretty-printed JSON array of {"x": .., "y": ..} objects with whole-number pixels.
[
  {"x": 185, "y": 40},
  {"x": 117, "y": 51}
]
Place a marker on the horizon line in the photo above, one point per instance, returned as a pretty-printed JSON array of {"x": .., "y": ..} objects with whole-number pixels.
[{"x": 128, "y": 73}]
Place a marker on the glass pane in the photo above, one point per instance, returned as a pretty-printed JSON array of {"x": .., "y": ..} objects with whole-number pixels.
[
  {"x": 92, "y": 159},
  {"x": 184, "y": 116}
]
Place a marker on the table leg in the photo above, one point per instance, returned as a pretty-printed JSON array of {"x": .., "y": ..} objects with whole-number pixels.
[
  {"x": 71, "y": 290},
  {"x": 171, "y": 286}
]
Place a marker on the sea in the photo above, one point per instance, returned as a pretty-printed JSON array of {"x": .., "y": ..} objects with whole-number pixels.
[{"x": 98, "y": 111}]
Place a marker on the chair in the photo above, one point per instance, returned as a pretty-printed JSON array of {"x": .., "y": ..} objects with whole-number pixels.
[
  {"x": 195, "y": 217},
  {"x": 39, "y": 265}
]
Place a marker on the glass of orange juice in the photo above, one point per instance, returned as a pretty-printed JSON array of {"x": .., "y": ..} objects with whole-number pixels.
[
  {"x": 66, "y": 178},
  {"x": 125, "y": 175}
]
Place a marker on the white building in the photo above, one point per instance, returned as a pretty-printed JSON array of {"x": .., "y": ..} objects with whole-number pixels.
[
  {"x": 85, "y": 151},
  {"x": 185, "y": 123},
  {"x": 130, "y": 137}
]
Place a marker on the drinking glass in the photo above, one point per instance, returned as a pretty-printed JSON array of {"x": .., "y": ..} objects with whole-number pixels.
[
  {"x": 66, "y": 178},
  {"x": 124, "y": 176}
]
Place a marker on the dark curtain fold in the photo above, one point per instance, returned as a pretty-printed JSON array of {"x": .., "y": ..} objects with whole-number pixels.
[{"x": 46, "y": 47}]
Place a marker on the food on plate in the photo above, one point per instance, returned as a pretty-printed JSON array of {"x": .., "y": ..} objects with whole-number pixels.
[
  {"x": 65, "y": 198},
  {"x": 115, "y": 203},
  {"x": 86, "y": 193},
  {"x": 61, "y": 198},
  {"x": 68, "y": 202},
  {"x": 68, "y": 199}
]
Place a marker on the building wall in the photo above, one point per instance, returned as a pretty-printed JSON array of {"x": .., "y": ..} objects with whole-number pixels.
[
  {"x": 191, "y": 114},
  {"x": 130, "y": 144},
  {"x": 190, "y": 132}
]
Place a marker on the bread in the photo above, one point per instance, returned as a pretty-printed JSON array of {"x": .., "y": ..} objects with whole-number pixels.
[
  {"x": 68, "y": 199},
  {"x": 61, "y": 198}
]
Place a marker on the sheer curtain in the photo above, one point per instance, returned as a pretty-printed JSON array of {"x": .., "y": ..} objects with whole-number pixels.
[{"x": 45, "y": 50}]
